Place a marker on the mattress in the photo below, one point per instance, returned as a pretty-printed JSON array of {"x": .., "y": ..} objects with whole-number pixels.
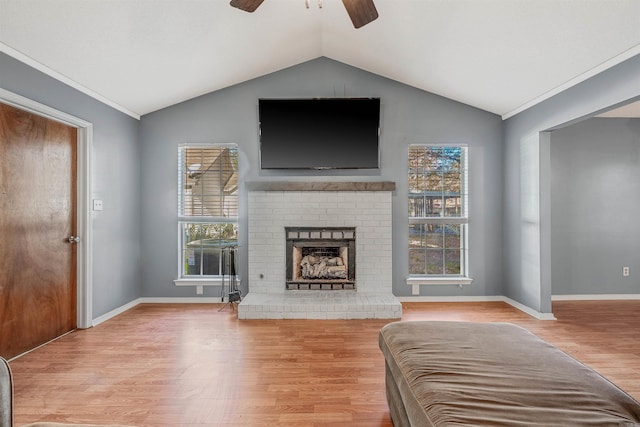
[{"x": 493, "y": 374}]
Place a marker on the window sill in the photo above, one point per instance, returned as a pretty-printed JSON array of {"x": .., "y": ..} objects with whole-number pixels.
[
  {"x": 452, "y": 280},
  {"x": 201, "y": 282},
  {"x": 416, "y": 281}
]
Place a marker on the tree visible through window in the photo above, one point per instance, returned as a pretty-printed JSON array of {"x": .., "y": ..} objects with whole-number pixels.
[
  {"x": 437, "y": 210},
  {"x": 207, "y": 207}
]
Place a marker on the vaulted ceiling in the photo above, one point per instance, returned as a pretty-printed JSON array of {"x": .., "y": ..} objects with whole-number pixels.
[{"x": 502, "y": 56}]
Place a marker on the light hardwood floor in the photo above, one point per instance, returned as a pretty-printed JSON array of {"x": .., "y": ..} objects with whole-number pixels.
[{"x": 190, "y": 365}]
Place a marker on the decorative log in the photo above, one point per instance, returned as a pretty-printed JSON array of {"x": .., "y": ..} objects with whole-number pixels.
[
  {"x": 335, "y": 261},
  {"x": 314, "y": 267},
  {"x": 317, "y": 268},
  {"x": 337, "y": 272}
]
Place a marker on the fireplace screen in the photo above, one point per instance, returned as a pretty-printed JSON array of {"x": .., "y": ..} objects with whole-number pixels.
[{"x": 320, "y": 258}]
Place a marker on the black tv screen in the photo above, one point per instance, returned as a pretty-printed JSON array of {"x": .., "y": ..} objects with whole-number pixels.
[{"x": 329, "y": 133}]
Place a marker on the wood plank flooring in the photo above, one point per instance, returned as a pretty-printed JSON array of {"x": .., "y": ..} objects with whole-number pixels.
[{"x": 190, "y": 365}]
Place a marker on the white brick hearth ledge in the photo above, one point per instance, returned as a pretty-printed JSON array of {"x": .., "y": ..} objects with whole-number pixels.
[{"x": 320, "y": 305}]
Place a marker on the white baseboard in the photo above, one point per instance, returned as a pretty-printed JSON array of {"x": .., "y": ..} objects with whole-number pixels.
[
  {"x": 115, "y": 312},
  {"x": 154, "y": 300},
  {"x": 595, "y": 297},
  {"x": 531, "y": 312},
  {"x": 181, "y": 300},
  {"x": 513, "y": 303},
  {"x": 450, "y": 299},
  {"x": 41, "y": 345}
]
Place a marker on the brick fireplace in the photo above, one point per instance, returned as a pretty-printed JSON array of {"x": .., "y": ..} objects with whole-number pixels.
[{"x": 353, "y": 219}]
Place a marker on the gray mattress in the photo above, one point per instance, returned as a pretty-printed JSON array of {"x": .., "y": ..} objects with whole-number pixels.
[{"x": 493, "y": 374}]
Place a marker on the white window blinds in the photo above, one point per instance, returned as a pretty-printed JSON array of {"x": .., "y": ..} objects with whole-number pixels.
[{"x": 208, "y": 181}]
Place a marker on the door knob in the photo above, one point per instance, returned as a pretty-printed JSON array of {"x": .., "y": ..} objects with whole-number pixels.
[{"x": 74, "y": 239}]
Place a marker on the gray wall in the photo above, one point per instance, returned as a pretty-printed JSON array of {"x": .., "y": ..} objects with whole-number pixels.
[
  {"x": 527, "y": 222},
  {"x": 408, "y": 116},
  {"x": 510, "y": 164},
  {"x": 116, "y": 180},
  {"x": 595, "y": 206}
]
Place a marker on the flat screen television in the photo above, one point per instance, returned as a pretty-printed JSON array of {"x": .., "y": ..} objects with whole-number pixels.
[{"x": 319, "y": 133}]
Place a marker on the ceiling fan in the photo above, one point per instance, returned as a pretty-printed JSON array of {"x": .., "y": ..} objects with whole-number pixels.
[{"x": 361, "y": 12}]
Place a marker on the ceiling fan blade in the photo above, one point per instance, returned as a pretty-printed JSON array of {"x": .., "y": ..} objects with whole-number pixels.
[
  {"x": 361, "y": 12},
  {"x": 246, "y": 5}
]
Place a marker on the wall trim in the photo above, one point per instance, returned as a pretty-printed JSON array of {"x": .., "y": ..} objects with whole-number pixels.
[
  {"x": 84, "y": 277},
  {"x": 181, "y": 300},
  {"x": 40, "y": 346},
  {"x": 595, "y": 297},
  {"x": 476, "y": 298},
  {"x": 531, "y": 312},
  {"x": 576, "y": 80},
  {"x": 495, "y": 298},
  {"x": 113, "y": 313},
  {"x": 64, "y": 79},
  {"x": 513, "y": 303},
  {"x": 155, "y": 300}
]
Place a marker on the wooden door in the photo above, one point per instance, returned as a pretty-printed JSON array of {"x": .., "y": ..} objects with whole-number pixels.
[{"x": 37, "y": 217}]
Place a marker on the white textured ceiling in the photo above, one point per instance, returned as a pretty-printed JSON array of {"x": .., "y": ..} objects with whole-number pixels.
[{"x": 498, "y": 55}]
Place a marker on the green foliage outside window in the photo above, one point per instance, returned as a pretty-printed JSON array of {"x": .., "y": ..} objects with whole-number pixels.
[{"x": 437, "y": 210}]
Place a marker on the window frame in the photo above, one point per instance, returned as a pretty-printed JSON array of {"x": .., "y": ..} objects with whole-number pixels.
[
  {"x": 442, "y": 219},
  {"x": 182, "y": 249},
  {"x": 184, "y": 219}
]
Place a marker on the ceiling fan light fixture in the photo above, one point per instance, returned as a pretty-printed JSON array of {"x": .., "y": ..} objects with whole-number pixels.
[
  {"x": 246, "y": 5},
  {"x": 308, "y": 2},
  {"x": 361, "y": 12}
]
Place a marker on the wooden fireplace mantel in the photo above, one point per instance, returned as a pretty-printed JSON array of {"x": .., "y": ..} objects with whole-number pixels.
[{"x": 320, "y": 186}]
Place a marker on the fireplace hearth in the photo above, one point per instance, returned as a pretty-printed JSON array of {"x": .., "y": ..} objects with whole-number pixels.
[{"x": 320, "y": 258}]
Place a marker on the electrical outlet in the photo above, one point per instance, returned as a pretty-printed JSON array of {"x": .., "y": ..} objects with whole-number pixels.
[
  {"x": 625, "y": 271},
  {"x": 97, "y": 204}
]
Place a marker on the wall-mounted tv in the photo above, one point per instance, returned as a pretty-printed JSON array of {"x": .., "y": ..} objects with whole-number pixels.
[{"x": 319, "y": 133}]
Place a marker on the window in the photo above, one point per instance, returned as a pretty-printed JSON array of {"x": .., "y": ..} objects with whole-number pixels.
[
  {"x": 207, "y": 208},
  {"x": 438, "y": 201}
]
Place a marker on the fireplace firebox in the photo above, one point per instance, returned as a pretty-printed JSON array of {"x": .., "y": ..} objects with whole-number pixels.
[{"x": 321, "y": 258}]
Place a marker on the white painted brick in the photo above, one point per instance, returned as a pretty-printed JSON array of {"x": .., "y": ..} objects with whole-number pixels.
[
  {"x": 335, "y": 211},
  {"x": 357, "y": 315},
  {"x": 349, "y": 205},
  {"x": 316, "y": 315},
  {"x": 369, "y": 212}
]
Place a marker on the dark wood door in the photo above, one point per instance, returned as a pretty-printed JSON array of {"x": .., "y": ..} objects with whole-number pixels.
[{"x": 37, "y": 216}]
